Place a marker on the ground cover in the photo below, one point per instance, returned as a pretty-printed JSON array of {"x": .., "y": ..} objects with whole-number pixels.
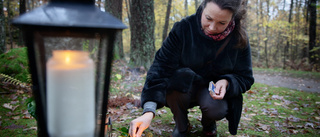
[{"x": 267, "y": 110}]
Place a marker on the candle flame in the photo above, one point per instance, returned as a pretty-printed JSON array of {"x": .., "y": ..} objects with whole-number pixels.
[{"x": 67, "y": 59}]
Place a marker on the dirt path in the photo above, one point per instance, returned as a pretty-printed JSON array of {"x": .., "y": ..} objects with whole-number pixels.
[{"x": 306, "y": 83}]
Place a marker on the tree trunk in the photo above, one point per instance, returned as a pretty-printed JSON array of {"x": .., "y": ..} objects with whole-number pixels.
[
  {"x": 286, "y": 48},
  {"x": 196, "y": 4},
  {"x": 2, "y": 30},
  {"x": 114, "y": 7},
  {"x": 312, "y": 31},
  {"x": 306, "y": 14},
  {"x": 259, "y": 14},
  {"x": 186, "y": 7},
  {"x": 8, "y": 20},
  {"x": 142, "y": 24},
  {"x": 166, "y": 24},
  {"x": 267, "y": 36},
  {"x": 22, "y": 10}
]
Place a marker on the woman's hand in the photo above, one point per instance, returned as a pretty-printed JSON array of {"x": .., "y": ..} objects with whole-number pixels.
[
  {"x": 138, "y": 125},
  {"x": 220, "y": 90}
]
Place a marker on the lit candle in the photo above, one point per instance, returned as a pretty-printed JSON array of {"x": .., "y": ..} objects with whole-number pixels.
[{"x": 70, "y": 94}]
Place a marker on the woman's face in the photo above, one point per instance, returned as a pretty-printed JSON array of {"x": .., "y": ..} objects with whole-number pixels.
[{"x": 214, "y": 20}]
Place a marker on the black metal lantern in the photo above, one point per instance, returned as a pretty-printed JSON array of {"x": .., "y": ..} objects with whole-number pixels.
[{"x": 70, "y": 45}]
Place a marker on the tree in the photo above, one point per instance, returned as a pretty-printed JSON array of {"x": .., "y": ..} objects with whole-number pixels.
[
  {"x": 142, "y": 24},
  {"x": 166, "y": 25},
  {"x": 286, "y": 48},
  {"x": 2, "y": 30},
  {"x": 114, "y": 7},
  {"x": 8, "y": 24},
  {"x": 196, "y": 4},
  {"x": 22, "y": 10},
  {"x": 312, "y": 30},
  {"x": 186, "y": 7},
  {"x": 267, "y": 34}
]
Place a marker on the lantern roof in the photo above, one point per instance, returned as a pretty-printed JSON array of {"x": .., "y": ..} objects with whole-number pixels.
[{"x": 71, "y": 14}]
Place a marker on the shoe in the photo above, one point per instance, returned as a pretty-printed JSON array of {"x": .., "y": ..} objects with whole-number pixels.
[
  {"x": 176, "y": 133},
  {"x": 210, "y": 131}
]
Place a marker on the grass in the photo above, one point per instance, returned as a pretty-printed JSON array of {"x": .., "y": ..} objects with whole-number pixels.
[
  {"x": 15, "y": 64},
  {"x": 16, "y": 122},
  {"x": 267, "y": 111}
]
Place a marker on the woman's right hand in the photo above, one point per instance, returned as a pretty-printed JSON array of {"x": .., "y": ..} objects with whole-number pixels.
[{"x": 138, "y": 125}]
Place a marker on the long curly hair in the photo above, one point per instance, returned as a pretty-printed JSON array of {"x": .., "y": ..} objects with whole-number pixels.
[{"x": 237, "y": 7}]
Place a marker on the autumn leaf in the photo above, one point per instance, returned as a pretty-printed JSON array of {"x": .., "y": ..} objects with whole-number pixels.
[
  {"x": 15, "y": 118},
  {"x": 293, "y": 119},
  {"x": 7, "y": 106},
  {"x": 31, "y": 128}
]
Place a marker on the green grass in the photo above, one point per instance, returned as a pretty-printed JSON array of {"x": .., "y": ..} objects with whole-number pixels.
[
  {"x": 15, "y": 64},
  {"x": 16, "y": 123},
  {"x": 267, "y": 111}
]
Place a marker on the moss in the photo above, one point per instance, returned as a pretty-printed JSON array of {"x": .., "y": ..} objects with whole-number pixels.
[{"x": 15, "y": 64}]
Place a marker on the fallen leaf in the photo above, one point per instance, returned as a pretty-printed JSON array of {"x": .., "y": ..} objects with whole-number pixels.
[
  {"x": 263, "y": 127},
  {"x": 31, "y": 128},
  {"x": 14, "y": 102},
  {"x": 309, "y": 125},
  {"x": 15, "y": 118},
  {"x": 293, "y": 119},
  {"x": 162, "y": 111},
  {"x": 277, "y": 97},
  {"x": 14, "y": 107},
  {"x": 292, "y": 131},
  {"x": 155, "y": 130},
  {"x": 7, "y": 106},
  {"x": 278, "y": 104}
]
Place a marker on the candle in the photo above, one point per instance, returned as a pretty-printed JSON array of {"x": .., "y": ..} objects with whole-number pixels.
[{"x": 70, "y": 94}]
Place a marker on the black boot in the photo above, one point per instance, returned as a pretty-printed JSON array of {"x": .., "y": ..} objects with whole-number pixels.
[
  {"x": 210, "y": 130},
  {"x": 176, "y": 132}
]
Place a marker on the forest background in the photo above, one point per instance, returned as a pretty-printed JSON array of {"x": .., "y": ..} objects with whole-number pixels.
[{"x": 283, "y": 33}]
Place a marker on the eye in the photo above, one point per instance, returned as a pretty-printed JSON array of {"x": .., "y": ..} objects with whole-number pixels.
[
  {"x": 222, "y": 23},
  {"x": 208, "y": 18}
]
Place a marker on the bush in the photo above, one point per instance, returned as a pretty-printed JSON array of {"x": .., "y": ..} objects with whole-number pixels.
[{"x": 15, "y": 64}]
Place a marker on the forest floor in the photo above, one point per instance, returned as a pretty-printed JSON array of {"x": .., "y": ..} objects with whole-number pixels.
[
  {"x": 280, "y": 103},
  {"x": 268, "y": 109}
]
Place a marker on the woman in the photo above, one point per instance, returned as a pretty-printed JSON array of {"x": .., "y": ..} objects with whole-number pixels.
[{"x": 210, "y": 45}]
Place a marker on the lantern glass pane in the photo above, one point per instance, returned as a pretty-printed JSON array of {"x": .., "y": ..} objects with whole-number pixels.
[{"x": 72, "y": 79}]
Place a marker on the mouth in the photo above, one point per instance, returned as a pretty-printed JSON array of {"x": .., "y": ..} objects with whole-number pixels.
[{"x": 209, "y": 33}]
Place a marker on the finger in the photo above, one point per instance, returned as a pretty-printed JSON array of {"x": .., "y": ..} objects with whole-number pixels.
[
  {"x": 140, "y": 131},
  {"x": 133, "y": 130},
  {"x": 217, "y": 90},
  {"x": 130, "y": 133},
  {"x": 217, "y": 97},
  {"x": 223, "y": 92}
]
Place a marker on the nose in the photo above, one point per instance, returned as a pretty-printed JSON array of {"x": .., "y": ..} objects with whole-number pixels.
[{"x": 212, "y": 27}]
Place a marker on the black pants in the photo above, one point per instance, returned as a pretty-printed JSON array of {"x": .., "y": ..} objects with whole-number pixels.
[{"x": 211, "y": 109}]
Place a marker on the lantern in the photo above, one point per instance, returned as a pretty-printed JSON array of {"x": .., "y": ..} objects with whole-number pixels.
[{"x": 70, "y": 46}]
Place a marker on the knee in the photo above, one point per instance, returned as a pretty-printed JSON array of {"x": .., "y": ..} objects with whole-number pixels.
[
  {"x": 215, "y": 111},
  {"x": 176, "y": 96}
]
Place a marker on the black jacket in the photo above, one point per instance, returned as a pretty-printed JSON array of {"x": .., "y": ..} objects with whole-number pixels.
[{"x": 189, "y": 58}]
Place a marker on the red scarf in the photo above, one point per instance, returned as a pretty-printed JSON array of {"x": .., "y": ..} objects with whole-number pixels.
[{"x": 225, "y": 33}]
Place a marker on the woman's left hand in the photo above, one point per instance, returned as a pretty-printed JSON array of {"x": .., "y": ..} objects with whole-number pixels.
[{"x": 220, "y": 89}]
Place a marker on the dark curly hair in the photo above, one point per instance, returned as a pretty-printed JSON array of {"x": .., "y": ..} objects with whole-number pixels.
[{"x": 237, "y": 7}]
